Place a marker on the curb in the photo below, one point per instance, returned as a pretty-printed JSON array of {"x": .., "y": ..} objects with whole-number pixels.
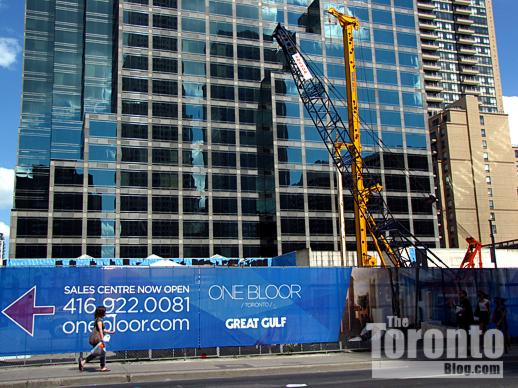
[{"x": 183, "y": 375}]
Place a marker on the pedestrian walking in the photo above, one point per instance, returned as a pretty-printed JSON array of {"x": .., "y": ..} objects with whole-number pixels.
[{"x": 97, "y": 339}]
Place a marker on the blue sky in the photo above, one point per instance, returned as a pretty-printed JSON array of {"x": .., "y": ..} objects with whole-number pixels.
[{"x": 11, "y": 41}]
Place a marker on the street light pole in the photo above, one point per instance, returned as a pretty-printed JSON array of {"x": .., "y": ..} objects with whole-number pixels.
[{"x": 492, "y": 248}]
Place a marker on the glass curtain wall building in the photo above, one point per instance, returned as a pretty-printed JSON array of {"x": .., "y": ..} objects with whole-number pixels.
[{"x": 171, "y": 127}]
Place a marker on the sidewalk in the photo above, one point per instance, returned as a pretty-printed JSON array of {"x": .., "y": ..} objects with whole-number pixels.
[{"x": 149, "y": 371}]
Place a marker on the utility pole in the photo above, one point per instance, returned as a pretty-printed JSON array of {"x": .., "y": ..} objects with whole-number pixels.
[{"x": 492, "y": 248}]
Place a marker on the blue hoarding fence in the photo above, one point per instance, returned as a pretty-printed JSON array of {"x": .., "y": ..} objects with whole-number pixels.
[{"x": 50, "y": 310}]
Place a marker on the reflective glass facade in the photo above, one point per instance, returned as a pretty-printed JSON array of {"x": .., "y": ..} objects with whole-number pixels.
[{"x": 184, "y": 136}]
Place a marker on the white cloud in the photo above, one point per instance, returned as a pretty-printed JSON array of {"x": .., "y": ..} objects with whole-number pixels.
[
  {"x": 4, "y": 228},
  {"x": 9, "y": 50},
  {"x": 511, "y": 108},
  {"x": 6, "y": 188}
]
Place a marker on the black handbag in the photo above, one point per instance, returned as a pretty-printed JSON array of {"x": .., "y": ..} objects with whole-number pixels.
[{"x": 95, "y": 337}]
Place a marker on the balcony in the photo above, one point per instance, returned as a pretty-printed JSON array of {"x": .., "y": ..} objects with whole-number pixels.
[
  {"x": 435, "y": 87},
  {"x": 429, "y": 46},
  {"x": 469, "y": 70},
  {"x": 428, "y": 35},
  {"x": 426, "y": 15},
  {"x": 430, "y": 26},
  {"x": 425, "y": 6},
  {"x": 430, "y": 57},
  {"x": 470, "y": 81},
  {"x": 465, "y": 31},
  {"x": 467, "y": 50},
  {"x": 432, "y": 77},
  {"x": 466, "y": 40},
  {"x": 463, "y": 10},
  {"x": 468, "y": 60},
  {"x": 462, "y": 2},
  {"x": 464, "y": 20},
  {"x": 431, "y": 66},
  {"x": 434, "y": 98},
  {"x": 471, "y": 90}
]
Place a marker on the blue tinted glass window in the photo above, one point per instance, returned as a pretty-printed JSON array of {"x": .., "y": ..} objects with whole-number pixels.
[
  {"x": 381, "y": 17},
  {"x": 383, "y": 36},
  {"x": 365, "y": 74},
  {"x": 101, "y": 202},
  {"x": 296, "y": 19},
  {"x": 369, "y": 138},
  {"x": 193, "y": 25},
  {"x": 362, "y": 35},
  {"x": 363, "y": 53},
  {"x": 287, "y": 109},
  {"x": 414, "y": 120},
  {"x": 366, "y": 95},
  {"x": 406, "y": 40},
  {"x": 405, "y": 20},
  {"x": 194, "y": 112},
  {"x": 361, "y": 13},
  {"x": 194, "y": 68},
  {"x": 290, "y": 155},
  {"x": 134, "y": 40},
  {"x": 339, "y": 92},
  {"x": 335, "y": 71},
  {"x": 388, "y": 97},
  {"x": 392, "y": 139},
  {"x": 290, "y": 177},
  {"x": 413, "y": 99},
  {"x": 107, "y": 228},
  {"x": 416, "y": 140},
  {"x": 410, "y": 79},
  {"x": 194, "y": 89},
  {"x": 224, "y": 114},
  {"x": 408, "y": 59},
  {"x": 193, "y": 46},
  {"x": 368, "y": 116},
  {"x": 390, "y": 118},
  {"x": 220, "y": 8},
  {"x": 404, "y": 3},
  {"x": 194, "y": 5},
  {"x": 335, "y": 50},
  {"x": 385, "y": 56},
  {"x": 103, "y": 153},
  {"x": 247, "y": 31},
  {"x": 288, "y": 131},
  {"x": 311, "y": 47},
  {"x": 388, "y": 77},
  {"x": 273, "y": 14},
  {"x": 383, "y": 2},
  {"x": 317, "y": 156},
  {"x": 101, "y": 177},
  {"x": 220, "y": 28},
  {"x": 246, "y": 11},
  {"x": 103, "y": 128},
  {"x": 311, "y": 134}
]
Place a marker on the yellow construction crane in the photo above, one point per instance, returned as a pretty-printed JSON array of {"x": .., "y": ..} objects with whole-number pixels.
[{"x": 361, "y": 217}]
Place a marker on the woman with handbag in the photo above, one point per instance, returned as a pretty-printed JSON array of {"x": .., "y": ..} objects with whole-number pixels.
[{"x": 97, "y": 338}]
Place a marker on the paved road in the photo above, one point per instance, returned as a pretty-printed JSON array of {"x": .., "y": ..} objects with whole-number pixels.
[{"x": 356, "y": 378}]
